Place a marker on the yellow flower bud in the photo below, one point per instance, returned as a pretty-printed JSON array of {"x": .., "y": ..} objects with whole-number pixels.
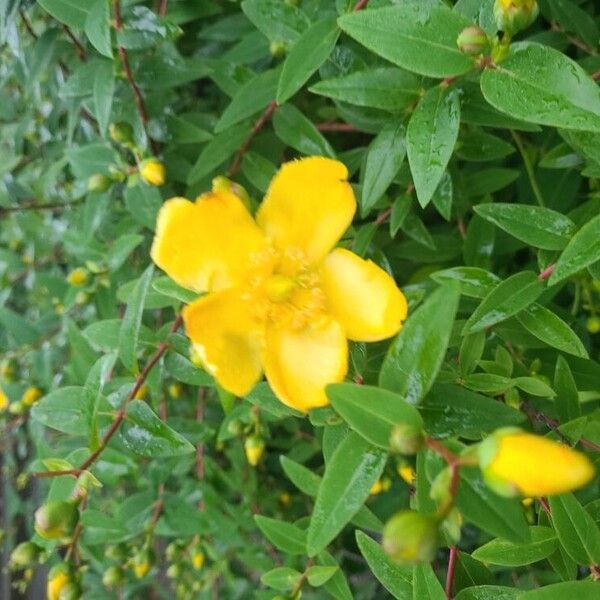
[
  {"x": 58, "y": 578},
  {"x": 514, "y": 462},
  {"x": 407, "y": 473},
  {"x": 411, "y": 537},
  {"x": 527, "y": 502},
  {"x": 31, "y": 395},
  {"x": 593, "y": 324},
  {"x": 142, "y": 392},
  {"x": 175, "y": 390},
  {"x": 277, "y": 49},
  {"x": 142, "y": 563},
  {"x": 376, "y": 488},
  {"x": 56, "y": 520},
  {"x": 513, "y": 16},
  {"x": 198, "y": 559},
  {"x": 77, "y": 276},
  {"x": 153, "y": 172},
  {"x": 284, "y": 499},
  {"x": 254, "y": 446},
  {"x": 224, "y": 184},
  {"x": 3, "y": 401}
]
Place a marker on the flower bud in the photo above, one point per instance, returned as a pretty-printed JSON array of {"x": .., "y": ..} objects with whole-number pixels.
[
  {"x": 254, "y": 446},
  {"x": 473, "y": 41},
  {"x": 16, "y": 408},
  {"x": 3, "y": 401},
  {"x": 153, "y": 172},
  {"x": 198, "y": 558},
  {"x": 175, "y": 390},
  {"x": 71, "y": 591},
  {"x": 24, "y": 555},
  {"x": 411, "y": 537},
  {"x": 407, "y": 473},
  {"x": 121, "y": 132},
  {"x": 112, "y": 577},
  {"x": 406, "y": 439},
  {"x": 174, "y": 571},
  {"x": 224, "y": 184},
  {"x": 235, "y": 427},
  {"x": 514, "y": 462},
  {"x": 118, "y": 552},
  {"x": 8, "y": 369},
  {"x": 58, "y": 578},
  {"x": 593, "y": 324},
  {"x": 31, "y": 395},
  {"x": 56, "y": 520},
  {"x": 142, "y": 392},
  {"x": 99, "y": 183},
  {"x": 77, "y": 277},
  {"x": 142, "y": 562},
  {"x": 513, "y": 16},
  {"x": 277, "y": 49}
]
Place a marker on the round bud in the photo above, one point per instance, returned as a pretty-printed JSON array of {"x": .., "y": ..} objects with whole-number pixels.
[
  {"x": 77, "y": 277},
  {"x": 31, "y": 395},
  {"x": 224, "y": 184},
  {"x": 58, "y": 577},
  {"x": 198, "y": 559},
  {"x": 235, "y": 427},
  {"x": 24, "y": 555},
  {"x": 175, "y": 390},
  {"x": 16, "y": 408},
  {"x": 410, "y": 537},
  {"x": 121, "y": 132},
  {"x": 142, "y": 562},
  {"x": 118, "y": 552},
  {"x": 71, "y": 591},
  {"x": 174, "y": 571},
  {"x": 142, "y": 392},
  {"x": 153, "y": 172},
  {"x": 172, "y": 552},
  {"x": 112, "y": 577},
  {"x": 513, "y": 16},
  {"x": 4, "y": 402},
  {"x": 406, "y": 438},
  {"x": 473, "y": 41},
  {"x": 277, "y": 49},
  {"x": 99, "y": 183},
  {"x": 254, "y": 447},
  {"x": 593, "y": 324},
  {"x": 56, "y": 520}
]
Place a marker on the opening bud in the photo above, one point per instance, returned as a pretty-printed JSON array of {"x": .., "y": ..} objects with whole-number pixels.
[
  {"x": 56, "y": 520},
  {"x": 142, "y": 562},
  {"x": 224, "y": 184},
  {"x": 198, "y": 558},
  {"x": 153, "y": 172},
  {"x": 254, "y": 447},
  {"x": 99, "y": 183},
  {"x": 31, "y": 395},
  {"x": 406, "y": 438},
  {"x": 473, "y": 41},
  {"x": 410, "y": 537},
  {"x": 513, "y": 16},
  {"x": 58, "y": 578}
]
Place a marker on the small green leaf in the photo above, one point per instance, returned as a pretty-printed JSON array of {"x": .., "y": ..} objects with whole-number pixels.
[
  {"x": 319, "y": 575},
  {"x": 567, "y": 397},
  {"x": 510, "y": 554},
  {"x": 306, "y": 56},
  {"x": 72, "y": 13},
  {"x": 430, "y": 138},
  {"x": 426, "y": 585},
  {"x": 63, "y": 409},
  {"x": 143, "y": 203},
  {"x": 166, "y": 286},
  {"x": 285, "y": 536},
  {"x": 104, "y": 88},
  {"x": 303, "y": 478},
  {"x": 97, "y": 27},
  {"x": 474, "y": 282},
  {"x": 183, "y": 370},
  {"x": 283, "y": 579},
  {"x": 415, "y": 357},
  {"x": 533, "y": 386},
  {"x": 505, "y": 300},
  {"x": 372, "y": 412},
  {"x": 488, "y": 592},
  {"x": 350, "y": 473}
]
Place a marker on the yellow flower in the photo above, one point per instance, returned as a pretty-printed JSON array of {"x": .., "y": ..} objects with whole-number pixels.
[
  {"x": 56, "y": 584},
  {"x": 31, "y": 395},
  {"x": 141, "y": 569},
  {"x": 198, "y": 560},
  {"x": 3, "y": 401},
  {"x": 77, "y": 276},
  {"x": 153, "y": 172},
  {"x": 407, "y": 473},
  {"x": 514, "y": 462},
  {"x": 281, "y": 298}
]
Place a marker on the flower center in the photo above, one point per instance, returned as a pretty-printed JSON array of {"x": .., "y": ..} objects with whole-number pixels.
[{"x": 279, "y": 288}]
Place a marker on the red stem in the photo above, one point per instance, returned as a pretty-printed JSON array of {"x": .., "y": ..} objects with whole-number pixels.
[
  {"x": 547, "y": 272},
  {"x": 335, "y": 126},
  {"x": 360, "y": 5},
  {"x": 451, "y": 569}
]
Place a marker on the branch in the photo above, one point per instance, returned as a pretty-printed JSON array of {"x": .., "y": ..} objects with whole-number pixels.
[
  {"x": 260, "y": 123},
  {"x": 451, "y": 568},
  {"x": 547, "y": 272},
  {"x": 163, "y": 5},
  {"x": 595, "y": 76},
  {"x": 137, "y": 93},
  {"x": 35, "y": 206},
  {"x": 335, "y": 126},
  {"x": 575, "y": 41},
  {"x": 360, "y": 5},
  {"x": 81, "y": 51}
]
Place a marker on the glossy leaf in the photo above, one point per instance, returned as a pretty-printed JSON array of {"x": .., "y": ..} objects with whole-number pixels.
[
  {"x": 509, "y": 554},
  {"x": 567, "y": 397},
  {"x": 426, "y": 585},
  {"x": 285, "y": 536}
]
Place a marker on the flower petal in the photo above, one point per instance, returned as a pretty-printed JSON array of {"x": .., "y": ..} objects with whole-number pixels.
[
  {"x": 205, "y": 245},
  {"x": 308, "y": 206},
  {"x": 300, "y": 363},
  {"x": 227, "y": 338},
  {"x": 362, "y": 297}
]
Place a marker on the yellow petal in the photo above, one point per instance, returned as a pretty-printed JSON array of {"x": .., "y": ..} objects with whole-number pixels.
[
  {"x": 205, "y": 245},
  {"x": 227, "y": 339},
  {"x": 362, "y": 297},
  {"x": 300, "y": 363},
  {"x": 308, "y": 206},
  {"x": 537, "y": 466}
]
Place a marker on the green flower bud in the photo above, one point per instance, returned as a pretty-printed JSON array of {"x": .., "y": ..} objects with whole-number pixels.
[
  {"x": 118, "y": 552},
  {"x": 277, "y": 49},
  {"x": 56, "y": 520},
  {"x": 410, "y": 537},
  {"x": 174, "y": 571},
  {"x": 473, "y": 41},
  {"x": 593, "y": 324},
  {"x": 513, "y": 16},
  {"x": 112, "y": 577},
  {"x": 24, "y": 555},
  {"x": 99, "y": 183},
  {"x": 235, "y": 427},
  {"x": 71, "y": 591},
  {"x": 406, "y": 439},
  {"x": 121, "y": 132}
]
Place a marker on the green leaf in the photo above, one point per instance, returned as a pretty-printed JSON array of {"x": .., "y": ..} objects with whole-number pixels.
[
  {"x": 383, "y": 160},
  {"x": 575, "y": 20},
  {"x": 430, "y": 138},
  {"x": 416, "y": 36},
  {"x": 145, "y": 434},
  {"x": 387, "y": 88},
  {"x": 62, "y": 409},
  {"x": 473, "y": 281},
  {"x": 166, "y": 286},
  {"x": 143, "y": 203},
  {"x": 507, "y": 299},
  {"x": 415, "y": 357},
  {"x": 533, "y": 386},
  {"x": 132, "y": 320},
  {"x": 217, "y": 151},
  {"x": 567, "y": 397},
  {"x": 337, "y": 586},
  {"x": 72, "y": 13},
  {"x": 537, "y": 226},
  {"x": 251, "y": 98},
  {"x": 350, "y": 473},
  {"x": 581, "y": 590},
  {"x": 450, "y": 410},
  {"x": 279, "y": 21},
  {"x": 97, "y": 27},
  {"x": 283, "y": 579},
  {"x": 576, "y": 530},
  {"x": 547, "y": 326},
  {"x": 104, "y": 89},
  {"x": 372, "y": 412},
  {"x": 320, "y": 575},
  {"x": 294, "y": 129},
  {"x": 541, "y": 85},
  {"x": 488, "y": 592},
  {"x": 476, "y": 145},
  {"x": 306, "y": 56},
  {"x": 18, "y": 327},
  {"x": 185, "y": 371},
  {"x": 396, "y": 579},
  {"x": 582, "y": 251},
  {"x": 285, "y": 536},
  {"x": 426, "y": 585},
  {"x": 510, "y": 554}
]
